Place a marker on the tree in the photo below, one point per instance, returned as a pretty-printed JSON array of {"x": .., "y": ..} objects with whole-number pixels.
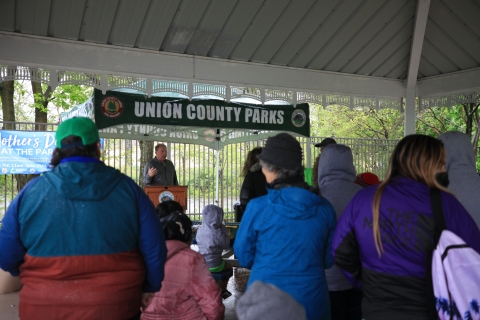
[
  {"x": 362, "y": 122},
  {"x": 434, "y": 121},
  {"x": 63, "y": 98},
  {"x": 17, "y": 99},
  {"x": 463, "y": 117},
  {"x": 146, "y": 154},
  {"x": 6, "y": 94},
  {"x": 41, "y": 100},
  {"x": 472, "y": 121}
]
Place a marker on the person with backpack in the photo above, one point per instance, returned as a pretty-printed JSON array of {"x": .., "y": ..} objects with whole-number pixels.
[{"x": 384, "y": 238}]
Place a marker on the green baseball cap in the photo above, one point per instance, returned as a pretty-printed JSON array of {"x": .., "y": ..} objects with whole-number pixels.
[{"x": 83, "y": 128}]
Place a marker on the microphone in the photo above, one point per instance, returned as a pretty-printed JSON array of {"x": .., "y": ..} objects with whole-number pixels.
[{"x": 165, "y": 167}]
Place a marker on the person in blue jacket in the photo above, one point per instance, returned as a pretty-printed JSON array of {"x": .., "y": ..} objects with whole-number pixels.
[{"x": 285, "y": 236}]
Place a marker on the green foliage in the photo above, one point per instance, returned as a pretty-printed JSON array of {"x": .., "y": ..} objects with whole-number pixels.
[
  {"x": 22, "y": 99},
  {"x": 66, "y": 97},
  {"x": 434, "y": 121},
  {"x": 9, "y": 190},
  {"x": 203, "y": 182},
  {"x": 340, "y": 121},
  {"x": 62, "y": 98},
  {"x": 119, "y": 153}
]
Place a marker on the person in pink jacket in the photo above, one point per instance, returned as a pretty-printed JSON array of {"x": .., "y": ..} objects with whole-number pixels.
[{"x": 188, "y": 289}]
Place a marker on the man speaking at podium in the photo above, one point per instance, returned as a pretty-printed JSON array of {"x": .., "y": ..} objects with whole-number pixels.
[{"x": 159, "y": 171}]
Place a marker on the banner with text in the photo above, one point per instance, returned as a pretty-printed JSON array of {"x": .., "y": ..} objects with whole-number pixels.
[
  {"x": 25, "y": 152},
  {"x": 135, "y": 116}
]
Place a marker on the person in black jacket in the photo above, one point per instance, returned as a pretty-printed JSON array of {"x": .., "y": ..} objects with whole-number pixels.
[{"x": 253, "y": 184}]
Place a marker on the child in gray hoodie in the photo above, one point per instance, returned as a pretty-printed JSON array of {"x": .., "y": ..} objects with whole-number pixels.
[{"x": 212, "y": 239}]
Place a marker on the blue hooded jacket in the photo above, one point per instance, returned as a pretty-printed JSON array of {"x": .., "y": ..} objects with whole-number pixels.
[
  {"x": 285, "y": 239},
  {"x": 83, "y": 228}
]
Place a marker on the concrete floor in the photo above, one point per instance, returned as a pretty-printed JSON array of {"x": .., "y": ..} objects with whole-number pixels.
[
  {"x": 236, "y": 285},
  {"x": 9, "y": 306}
]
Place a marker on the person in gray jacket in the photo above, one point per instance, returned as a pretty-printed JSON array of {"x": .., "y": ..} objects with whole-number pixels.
[
  {"x": 336, "y": 175},
  {"x": 266, "y": 301},
  {"x": 212, "y": 238},
  {"x": 464, "y": 181},
  {"x": 160, "y": 171}
]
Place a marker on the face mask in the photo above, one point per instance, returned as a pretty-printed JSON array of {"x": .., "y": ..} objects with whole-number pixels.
[{"x": 442, "y": 179}]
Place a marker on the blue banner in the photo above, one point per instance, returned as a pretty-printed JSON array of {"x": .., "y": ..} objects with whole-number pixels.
[{"x": 25, "y": 152}]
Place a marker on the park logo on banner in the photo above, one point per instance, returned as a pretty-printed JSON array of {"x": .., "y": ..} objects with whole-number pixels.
[
  {"x": 299, "y": 118},
  {"x": 111, "y": 107}
]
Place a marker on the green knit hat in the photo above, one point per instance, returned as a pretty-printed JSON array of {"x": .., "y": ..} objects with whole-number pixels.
[{"x": 83, "y": 128}]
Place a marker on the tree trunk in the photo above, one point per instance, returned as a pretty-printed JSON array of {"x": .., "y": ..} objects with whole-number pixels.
[
  {"x": 477, "y": 132},
  {"x": 41, "y": 104},
  {"x": 470, "y": 110},
  {"x": 6, "y": 94},
  {"x": 41, "y": 118},
  {"x": 146, "y": 154}
]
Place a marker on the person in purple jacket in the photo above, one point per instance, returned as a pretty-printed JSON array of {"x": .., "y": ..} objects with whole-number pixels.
[{"x": 385, "y": 234}]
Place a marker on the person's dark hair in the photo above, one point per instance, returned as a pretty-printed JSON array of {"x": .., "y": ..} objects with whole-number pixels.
[
  {"x": 165, "y": 208},
  {"x": 58, "y": 154},
  {"x": 177, "y": 226},
  {"x": 282, "y": 173},
  {"x": 251, "y": 160}
]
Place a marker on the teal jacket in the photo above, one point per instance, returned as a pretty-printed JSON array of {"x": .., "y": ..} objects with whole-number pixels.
[
  {"x": 285, "y": 239},
  {"x": 86, "y": 237}
]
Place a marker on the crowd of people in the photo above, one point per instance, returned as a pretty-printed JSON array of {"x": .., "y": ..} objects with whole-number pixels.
[
  {"x": 88, "y": 243},
  {"x": 383, "y": 237}
]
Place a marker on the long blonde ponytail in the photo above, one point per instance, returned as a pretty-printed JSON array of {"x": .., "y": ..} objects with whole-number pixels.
[{"x": 417, "y": 157}]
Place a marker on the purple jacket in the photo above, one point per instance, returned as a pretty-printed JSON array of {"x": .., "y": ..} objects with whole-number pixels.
[{"x": 395, "y": 283}]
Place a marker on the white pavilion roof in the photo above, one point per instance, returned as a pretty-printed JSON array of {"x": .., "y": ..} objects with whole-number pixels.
[{"x": 359, "y": 49}]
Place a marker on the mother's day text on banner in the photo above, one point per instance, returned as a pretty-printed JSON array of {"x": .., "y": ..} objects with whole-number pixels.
[{"x": 23, "y": 152}]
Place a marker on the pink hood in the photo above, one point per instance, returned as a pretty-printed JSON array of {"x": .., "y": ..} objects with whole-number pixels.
[{"x": 188, "y": 289}]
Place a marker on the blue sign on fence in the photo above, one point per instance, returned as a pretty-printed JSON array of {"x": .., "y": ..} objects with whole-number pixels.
[{"x": 25, "y": 152}]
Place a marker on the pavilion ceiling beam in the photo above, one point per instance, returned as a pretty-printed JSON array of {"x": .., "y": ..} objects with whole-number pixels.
[
  {"x": 447, "y": 84},
  {"x": 417, "y": 41},
  {"x": 60, "y": 54},
  {"x": 414, "y": 63}
]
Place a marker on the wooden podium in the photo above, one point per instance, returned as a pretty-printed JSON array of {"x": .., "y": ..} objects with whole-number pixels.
[{"x": 158, "y": 194}]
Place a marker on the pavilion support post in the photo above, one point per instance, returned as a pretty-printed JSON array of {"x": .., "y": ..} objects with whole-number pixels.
[
  {"x": 169, "y": 151},
  {"x": 418, "y": 36},
  {"x": 217, "y": 164},
  {"x": 410, "y": 112},
  {"x": 308, "y": 147}
]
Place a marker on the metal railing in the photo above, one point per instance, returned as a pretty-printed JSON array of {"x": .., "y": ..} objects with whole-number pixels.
[{"x": 196, "y": 166}]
